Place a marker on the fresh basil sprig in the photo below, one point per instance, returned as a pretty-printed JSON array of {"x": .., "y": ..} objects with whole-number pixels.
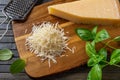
[
  {"x": 88, "y": 35},
  {"x": 98, "y": 58}
]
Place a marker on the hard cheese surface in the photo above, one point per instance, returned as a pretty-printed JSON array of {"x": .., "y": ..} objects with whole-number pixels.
[
  {"x": 89, "y": 11},
  {"x": 34, "y": 67}
]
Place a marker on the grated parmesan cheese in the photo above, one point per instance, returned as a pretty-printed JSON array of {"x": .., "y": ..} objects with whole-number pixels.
[{"x": 47, "y": 41}]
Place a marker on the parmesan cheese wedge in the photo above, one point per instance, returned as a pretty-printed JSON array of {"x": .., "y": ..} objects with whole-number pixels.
[{"x": 103, "y": 12}]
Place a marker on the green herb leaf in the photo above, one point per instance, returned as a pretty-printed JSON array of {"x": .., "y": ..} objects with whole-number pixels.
[
  {"x": 95, "y": 73},
  {"x": 117, "y": 38},
  {"x": 5, "y": 54},
  {"x": 17, "y": 66},
  {"x": 93, "y": 43},
  {"x": 92, "y": 61},
  {"x": 103, "y": 53},
  {"x": 115, "y": 57},
  {"x": 102, "y": 35},
  {"x": 84, "y": 34},
  {"x": 90, "y": 49},
  {"x": 95, "y": 60},
  {"x": 94, "y": 31}
]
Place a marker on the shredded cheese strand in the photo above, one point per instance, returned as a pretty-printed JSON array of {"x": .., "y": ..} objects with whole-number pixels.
[{"x": 47, "y": 41}]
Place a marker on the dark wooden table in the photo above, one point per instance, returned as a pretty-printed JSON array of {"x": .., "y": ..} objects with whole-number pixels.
[{"x": 79, "y": 73}]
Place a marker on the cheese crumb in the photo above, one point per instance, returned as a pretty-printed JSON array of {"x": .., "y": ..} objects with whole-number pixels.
[{"x": 47, "y": 41}]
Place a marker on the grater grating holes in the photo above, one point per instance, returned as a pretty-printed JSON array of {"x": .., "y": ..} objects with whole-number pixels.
[{"x": 18, "y": 9}]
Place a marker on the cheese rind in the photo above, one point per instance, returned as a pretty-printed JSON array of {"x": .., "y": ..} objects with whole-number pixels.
[{"x": 89, "y": 11}]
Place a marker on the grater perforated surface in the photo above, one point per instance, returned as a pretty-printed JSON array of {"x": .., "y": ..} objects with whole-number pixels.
[{"x": 18, "y": 9}]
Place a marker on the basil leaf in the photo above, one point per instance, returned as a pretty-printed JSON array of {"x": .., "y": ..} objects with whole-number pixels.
[
  {"x": 93, "y": 43},
  {"x": 84, "y": 34},
  {"x": 103, "y": 53},
  {"x": 17, "y": 66},
  {"x": 102, "y": 35},
  {"x": 94, "y": 31},
  {"x": 95, "y": 60},
  {"x": 92, "y": 61},
  {"x": 90, "y": 49},
  {"x": 95, "y": 73},
  {"x": 5, "y": 54},
  {"x": 117, "y": 38},
  {"x": 115, "y": 57}
]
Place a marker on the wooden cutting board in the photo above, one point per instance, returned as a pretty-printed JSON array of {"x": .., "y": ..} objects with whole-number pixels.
[{"x": 34, "y": 66}]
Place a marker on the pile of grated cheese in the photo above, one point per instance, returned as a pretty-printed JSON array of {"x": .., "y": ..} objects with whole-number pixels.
[{"x": 47, "y": 41}]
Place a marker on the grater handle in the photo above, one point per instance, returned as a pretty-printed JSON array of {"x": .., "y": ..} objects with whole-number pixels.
[{"x": 9, "y": 21}]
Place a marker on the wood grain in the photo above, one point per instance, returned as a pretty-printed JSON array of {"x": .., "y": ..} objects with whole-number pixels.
[
  {"x": 8, "y": 39},
  {"x": 9, "y": 76},
  {"x": 35, "y": 68}
]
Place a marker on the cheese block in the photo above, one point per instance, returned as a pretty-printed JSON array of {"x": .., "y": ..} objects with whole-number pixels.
[{"x": 103, "y": 12}]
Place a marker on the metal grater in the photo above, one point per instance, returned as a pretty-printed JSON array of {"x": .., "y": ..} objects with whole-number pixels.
[{"x": 19, "y": 9}]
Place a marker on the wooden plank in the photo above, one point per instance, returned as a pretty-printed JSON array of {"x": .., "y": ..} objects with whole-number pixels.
[
  {"x": 4, "y": 2},
  {"x": 3, "y": 27},
  {"x": 5, "y": 69},
  {"x": 2, "y": 7},
  {"x": 7, "y": 40},
  {"x": 65, "y": 76},
  {"x": 9, "y": 32},
  {"x": 15, "y": 52},
  {"x": 75, "y": 76},
  {"x": 39, "y": 2},
  {"x": 2, "y": 19},
  {"x": 46, "y": 1},
  {"x": 1, "y": 14},
  {"x": 9, "y": 62},
  {"x": 80, "y": 76},
  {"x": 111, "y": 69},
  {"x": 111, "y": 76},
  {"x": 8, "y": 45},
  {"x": 9, "y": 76}
]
